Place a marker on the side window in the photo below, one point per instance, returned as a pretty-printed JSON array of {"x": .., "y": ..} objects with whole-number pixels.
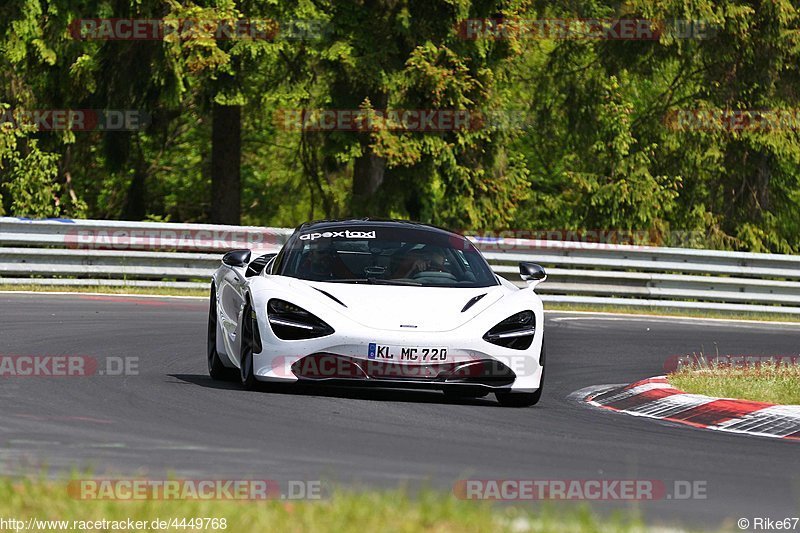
[{"x": 463, "y": 260}]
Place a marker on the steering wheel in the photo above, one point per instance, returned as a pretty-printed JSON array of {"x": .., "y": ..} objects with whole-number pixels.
[{"x": 435, "y": 276}]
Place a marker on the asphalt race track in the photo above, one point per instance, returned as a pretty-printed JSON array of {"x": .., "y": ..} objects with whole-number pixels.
[{"x": 171, "y": 418}]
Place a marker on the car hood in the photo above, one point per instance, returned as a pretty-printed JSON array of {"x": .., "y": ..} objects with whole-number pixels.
[{"x": 399, "y": 308}]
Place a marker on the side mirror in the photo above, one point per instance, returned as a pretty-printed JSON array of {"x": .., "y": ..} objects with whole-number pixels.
[
  {"x": 533, "y": 273},
  {"x": 236, "y": 258}
]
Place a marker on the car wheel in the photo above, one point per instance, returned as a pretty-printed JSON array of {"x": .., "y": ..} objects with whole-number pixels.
[
  {"x": 216, "y": 369},
  {"x": 523, "y": 399},
  {"x": 246, "y": 372}
]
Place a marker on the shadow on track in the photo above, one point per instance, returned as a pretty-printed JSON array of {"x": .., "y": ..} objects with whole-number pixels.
[{"x": 333, "y": 391}]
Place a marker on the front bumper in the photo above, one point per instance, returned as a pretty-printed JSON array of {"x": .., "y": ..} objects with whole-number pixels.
[{"x": 342, "y": 359}]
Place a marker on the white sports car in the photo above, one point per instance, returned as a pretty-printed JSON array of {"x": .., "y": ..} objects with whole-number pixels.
[{"x": 387, "y": 303}]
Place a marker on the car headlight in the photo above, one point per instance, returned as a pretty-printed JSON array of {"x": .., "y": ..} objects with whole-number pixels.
[
  {"x": 514, "y": 332},
  {"x": 290, "y": 322}
]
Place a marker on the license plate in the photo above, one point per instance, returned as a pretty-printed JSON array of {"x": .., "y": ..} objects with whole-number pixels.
[{"x": 406, "y": 354}]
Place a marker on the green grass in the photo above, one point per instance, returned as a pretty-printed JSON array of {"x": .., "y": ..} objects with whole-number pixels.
[
  {"x": 343, "y": 510},
  {"x": 157, "y": 291},
  {"x": 763, "y": 383},
  {"x": 672, "y": 311}
]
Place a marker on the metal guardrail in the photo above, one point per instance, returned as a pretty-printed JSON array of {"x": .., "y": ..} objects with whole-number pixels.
[
  {"x": 148, "y": 254},
  {"x": 119, "y": 253}
]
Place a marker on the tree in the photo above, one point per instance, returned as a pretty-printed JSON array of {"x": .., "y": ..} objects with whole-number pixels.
[{"x": 410, "y": 56}]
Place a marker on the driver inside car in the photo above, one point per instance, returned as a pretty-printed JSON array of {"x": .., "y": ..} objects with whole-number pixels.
[{"x": 427, "y": 259}]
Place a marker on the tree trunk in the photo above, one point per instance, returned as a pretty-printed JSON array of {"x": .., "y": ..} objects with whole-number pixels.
[
  {"x": 135, "y": 207},
  {"x": 226, "y": 159},
  {"x": 367, "y": 179}
]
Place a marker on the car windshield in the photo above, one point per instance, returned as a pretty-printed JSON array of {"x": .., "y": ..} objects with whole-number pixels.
[{"x": 384, "y": 255}]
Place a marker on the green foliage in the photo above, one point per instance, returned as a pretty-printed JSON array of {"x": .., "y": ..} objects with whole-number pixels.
[
  {"x": 28, "y": 174},
  {"x": 30, "y": 183},
  {"x": 601, "y": 150},
  {"x": 582, "y": 141}
]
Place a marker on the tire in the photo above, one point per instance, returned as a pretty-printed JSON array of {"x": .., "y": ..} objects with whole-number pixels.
[
  {"x": 216, "y": 369},
  {"x": 523, "y": 399},
  {"x": 246, "y": 373}
]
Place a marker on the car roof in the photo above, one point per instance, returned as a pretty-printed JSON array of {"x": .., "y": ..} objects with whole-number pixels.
[{"x": 372, "y": 222}]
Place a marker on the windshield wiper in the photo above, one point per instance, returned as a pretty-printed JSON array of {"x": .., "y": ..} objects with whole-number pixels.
[{"x": 376, "y": 281}]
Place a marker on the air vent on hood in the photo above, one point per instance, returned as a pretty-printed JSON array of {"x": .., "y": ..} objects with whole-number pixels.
[
  {"x": 331, "y": 296},
  {"x": 472, "y": 302}
]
